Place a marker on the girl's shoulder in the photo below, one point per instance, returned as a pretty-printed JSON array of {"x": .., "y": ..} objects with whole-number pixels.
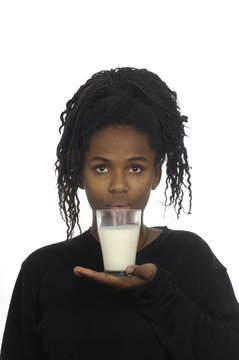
[
  {"x": 181, "y": 237},
  {"x": 184, "y": 244},
  {"x": 54, "y": 252}
]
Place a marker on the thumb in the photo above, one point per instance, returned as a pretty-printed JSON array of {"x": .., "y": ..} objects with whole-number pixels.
[{"x": 145, "y": 271}]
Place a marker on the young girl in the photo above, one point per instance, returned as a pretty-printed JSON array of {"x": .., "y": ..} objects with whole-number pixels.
[{"x": 177, "y": 302}]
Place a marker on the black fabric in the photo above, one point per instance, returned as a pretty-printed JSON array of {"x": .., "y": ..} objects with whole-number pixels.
[{"x": 189, "y": 310}]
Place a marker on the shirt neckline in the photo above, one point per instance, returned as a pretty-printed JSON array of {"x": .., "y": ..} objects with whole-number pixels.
[{"x": 160, "y": 237}]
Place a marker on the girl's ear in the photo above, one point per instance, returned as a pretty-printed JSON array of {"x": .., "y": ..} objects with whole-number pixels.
[
  {"x": 81, "y": 184},
  {"x": 157, "y": 176}
]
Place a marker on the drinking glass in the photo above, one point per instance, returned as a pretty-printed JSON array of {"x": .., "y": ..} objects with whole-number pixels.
[{"x": 118, "y": 231}]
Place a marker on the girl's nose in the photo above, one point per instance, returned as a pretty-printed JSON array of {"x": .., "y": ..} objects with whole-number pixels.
[{"x": 118, "y": 184}]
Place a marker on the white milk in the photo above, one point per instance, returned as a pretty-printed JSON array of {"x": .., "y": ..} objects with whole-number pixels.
[{"x": 119, "y": 246}]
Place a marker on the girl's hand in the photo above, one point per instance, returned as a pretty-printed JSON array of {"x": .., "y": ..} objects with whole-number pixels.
[{"x": 138, "y": 276}]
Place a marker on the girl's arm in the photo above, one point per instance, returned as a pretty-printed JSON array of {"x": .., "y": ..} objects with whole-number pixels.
[
  {"x": 187, "y": 331},
  {"x": 21, "y": 340}
]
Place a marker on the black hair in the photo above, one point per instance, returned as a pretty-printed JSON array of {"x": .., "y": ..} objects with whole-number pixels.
[{"x": 122, "y": 96}]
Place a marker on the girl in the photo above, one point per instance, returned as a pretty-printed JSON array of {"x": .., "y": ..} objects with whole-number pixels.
[{"x": 177, "y": 302}]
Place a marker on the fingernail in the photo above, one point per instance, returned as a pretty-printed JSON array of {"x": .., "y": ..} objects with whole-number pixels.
[{"x": 78, "y": 274}]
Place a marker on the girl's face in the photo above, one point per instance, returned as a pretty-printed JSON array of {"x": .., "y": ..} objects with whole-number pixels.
[{"x": 119, "y": 169}]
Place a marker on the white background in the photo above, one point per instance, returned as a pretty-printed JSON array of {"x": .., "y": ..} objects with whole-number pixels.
[{"x": 49, "y": 48}]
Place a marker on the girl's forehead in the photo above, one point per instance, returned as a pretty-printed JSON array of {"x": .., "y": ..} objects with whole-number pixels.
[
  {"x": 118, "y": 140},
  {"x": 119, "y": 133}
]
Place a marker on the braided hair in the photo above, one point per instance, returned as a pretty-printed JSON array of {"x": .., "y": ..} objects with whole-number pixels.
[{"x": 122, "y": 96}]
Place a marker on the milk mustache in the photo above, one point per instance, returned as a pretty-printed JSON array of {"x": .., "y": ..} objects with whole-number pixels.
[{"x": 119, "y": 246}]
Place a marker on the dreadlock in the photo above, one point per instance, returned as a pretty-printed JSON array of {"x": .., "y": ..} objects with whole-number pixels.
[{"x": 122, "y": 96}]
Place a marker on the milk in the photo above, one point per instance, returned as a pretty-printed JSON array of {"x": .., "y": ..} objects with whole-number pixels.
[{"x": 119, "y": 246}]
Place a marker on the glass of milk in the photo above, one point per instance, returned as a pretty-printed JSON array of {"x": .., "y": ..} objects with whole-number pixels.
[{"x": 119, "y": 234}]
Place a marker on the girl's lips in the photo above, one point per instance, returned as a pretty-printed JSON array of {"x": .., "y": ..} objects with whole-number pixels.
[
  {"x": 119, "y": 207},
  {"x": 118, "y": 204}
]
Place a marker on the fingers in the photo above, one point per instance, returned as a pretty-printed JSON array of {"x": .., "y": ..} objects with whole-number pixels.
[
  {"x": 88, "y": 273},
  {"x": 100, "y": 277}
]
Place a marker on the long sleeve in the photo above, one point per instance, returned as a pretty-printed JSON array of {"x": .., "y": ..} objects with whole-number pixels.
[
  {"x": 21, "y": 340},
  {"x": 189, "y": 331}
]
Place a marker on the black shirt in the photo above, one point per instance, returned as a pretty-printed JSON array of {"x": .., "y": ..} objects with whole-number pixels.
[{"x": 188, "y": 311}]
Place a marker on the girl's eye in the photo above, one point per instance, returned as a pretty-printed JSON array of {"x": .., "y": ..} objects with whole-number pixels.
[
  {"x": 135, "y": 169},
  {"x": 101, "y": 169}
]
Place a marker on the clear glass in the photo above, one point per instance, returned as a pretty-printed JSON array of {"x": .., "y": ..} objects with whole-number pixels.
[{"x": 119, "y": 235}]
